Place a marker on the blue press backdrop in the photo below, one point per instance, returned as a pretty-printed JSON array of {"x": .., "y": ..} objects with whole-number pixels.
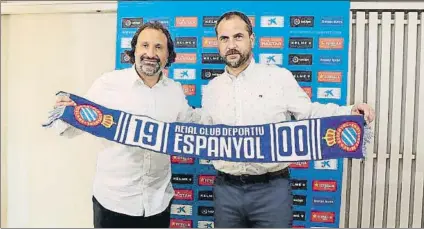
[{"x": 310, "y": 38}]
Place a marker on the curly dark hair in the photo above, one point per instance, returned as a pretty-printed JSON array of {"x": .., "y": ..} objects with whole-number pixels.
[
  {"x": 158, "y": 26},
  {"x": 232, "y": 14}
]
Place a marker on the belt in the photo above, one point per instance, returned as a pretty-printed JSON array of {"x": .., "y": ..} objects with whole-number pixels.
[{"x": 251, "y": 179}]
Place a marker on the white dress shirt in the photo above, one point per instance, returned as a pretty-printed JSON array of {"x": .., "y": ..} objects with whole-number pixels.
[
  {"x": 261, "y": 94},
  {"x": 131, "y": 180}
]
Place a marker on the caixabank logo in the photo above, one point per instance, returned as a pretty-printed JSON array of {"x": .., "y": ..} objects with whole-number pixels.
[
  {"x": 205, "y": 224},
  {"x": 181, "y": 209},
  {"x": 324, "y": 185}
]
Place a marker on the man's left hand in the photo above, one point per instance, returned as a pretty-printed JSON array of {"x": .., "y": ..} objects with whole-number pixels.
[{"x": 366, "y": 110}]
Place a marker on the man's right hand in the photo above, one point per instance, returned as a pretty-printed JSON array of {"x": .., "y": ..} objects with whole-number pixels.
[{"x": 64, "y": 101}]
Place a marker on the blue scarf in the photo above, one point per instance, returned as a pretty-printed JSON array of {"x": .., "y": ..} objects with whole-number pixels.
[{"x": 290, "y": 141}]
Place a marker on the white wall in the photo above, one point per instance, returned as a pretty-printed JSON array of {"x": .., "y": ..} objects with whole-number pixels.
[{"x": 49, "y": 178}]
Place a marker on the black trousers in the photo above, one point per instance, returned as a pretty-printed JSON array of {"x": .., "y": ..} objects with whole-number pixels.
[{"x": 104, "y": 218}]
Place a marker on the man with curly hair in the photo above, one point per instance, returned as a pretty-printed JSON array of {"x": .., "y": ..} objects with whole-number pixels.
[{"x": 132, "y": 186}]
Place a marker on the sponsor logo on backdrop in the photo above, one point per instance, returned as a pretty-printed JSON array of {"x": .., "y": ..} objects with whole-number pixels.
[
  {"x": 272, "y": 21},
  {"x": 322, "y": 217},
  {"x": 211, "y": 58},
  {"x": 189, "y": 89},
  {"x": 329, "y": 93},
  {"x": 299, "y": 184},
  {"x": 185, "y": 42},
  {"x": 181, "y": 209},
  {"x": 190, "y": 22},
  {"x": 302, "y": 21},
  {"x": 184, "y": 73},
  {"x": 271, "y": 58},
  {"x": 208, "y": 74},
  {"x": 205, "y": 211},
  {"x": 331, "y": 43},
  {"x": 182, "y": 160},
  {"x": 205, "y": 224},
  {"x": 209, "y": 42},
  {"x": 125, "y": 59},
  {"x": 271, "y": 42},
  {"x": 324, "y": 185},
  {"x": 302, "y": 76},
  {"x": 299, "y": 165},
  {"x": 318, "y": 200},
  {"x": 210, "y": 21},
  {"x": 299, "y": 200},
  {"x": 126, "y": 42},
  {"x": 206, "y": 180},
  {"x": 301, "y": 42},
  {"x": 332, "y": 21},
  {"x": 132, "y": 22},
  {"x": 182, "y": 178},
  {"x": 326, "y": 164},
  {"x": 183, "y": 194},
  {"x": 163, "y": 21},
  {"x": 203, "y": 161},
  {"x": 186, "y": 58},
  {"x": 206, "y": 195},
  {"x": 252, "y": 20},
  {"x": 181, "y": 223},
  {"x": 300, "y": 59},
  {"x": 330, "y": 60},
  {"x": 327, "y": 76},
  {"x": 299, "y": 215},
  {"x": 308, "y": 91}
]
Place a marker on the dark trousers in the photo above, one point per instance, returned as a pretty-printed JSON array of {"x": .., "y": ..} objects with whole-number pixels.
[
  {"x": 265, "y": 204},
  {"x": 104, "y": 218}
]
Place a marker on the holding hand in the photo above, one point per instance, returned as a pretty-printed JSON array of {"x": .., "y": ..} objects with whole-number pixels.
[
  {"x": 64, "y": 101},
  {"x": 366, "y": 110}
]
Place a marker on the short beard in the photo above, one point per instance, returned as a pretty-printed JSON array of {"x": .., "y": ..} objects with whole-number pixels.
[
  {"x": 149, "y": 70},
  {"x": 242, "y": 60}
]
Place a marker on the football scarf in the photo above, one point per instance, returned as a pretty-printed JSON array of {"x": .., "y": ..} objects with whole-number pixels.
[{"x": 290, "y": 141}]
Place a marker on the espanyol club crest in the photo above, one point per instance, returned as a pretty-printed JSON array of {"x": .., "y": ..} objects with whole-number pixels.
[
  {"x": 91, "y": 116},
  {"x": 347, "y": 136}
]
